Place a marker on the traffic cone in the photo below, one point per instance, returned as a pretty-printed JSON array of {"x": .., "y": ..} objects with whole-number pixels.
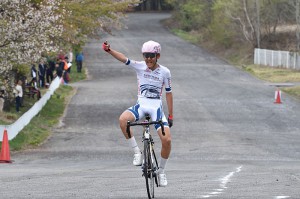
[
  {"x": 278, "y": 97},
  {"x": 5, "y": 156}
]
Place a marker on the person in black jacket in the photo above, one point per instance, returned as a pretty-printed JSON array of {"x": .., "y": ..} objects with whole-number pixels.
[
  {"x": 42, "y": 72},
  {"x": 49, "y": 71},
  {"x": 59, "y": 67}
]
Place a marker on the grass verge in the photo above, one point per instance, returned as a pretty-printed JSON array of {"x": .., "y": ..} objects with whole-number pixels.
[
  {"x": 40, "y": 127},
  {"x": 242, "y": 55}
]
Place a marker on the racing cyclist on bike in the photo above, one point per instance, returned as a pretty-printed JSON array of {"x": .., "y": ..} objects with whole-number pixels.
[{"x": 152, "y": 77}]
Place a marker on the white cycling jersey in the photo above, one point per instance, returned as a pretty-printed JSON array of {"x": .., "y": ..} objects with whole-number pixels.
[{"x": 151, "y": 83}]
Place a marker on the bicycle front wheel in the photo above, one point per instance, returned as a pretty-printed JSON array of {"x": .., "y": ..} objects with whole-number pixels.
[{"x": 148, "y": 170}]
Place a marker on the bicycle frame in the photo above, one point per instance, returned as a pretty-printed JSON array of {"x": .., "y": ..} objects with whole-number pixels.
[{"x": 150, "y": 165}]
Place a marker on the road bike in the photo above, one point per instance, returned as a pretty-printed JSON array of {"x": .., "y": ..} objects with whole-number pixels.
[{"x": 150, "y": 165}]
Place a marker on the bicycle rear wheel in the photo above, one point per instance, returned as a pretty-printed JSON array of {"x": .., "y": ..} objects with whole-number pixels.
[{"x": 148, "y": 170}]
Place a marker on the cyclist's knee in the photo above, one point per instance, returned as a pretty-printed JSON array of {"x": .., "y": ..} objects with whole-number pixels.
[
  {"x": 166, "y": 140},
  {"x": 124, "y": 117}
]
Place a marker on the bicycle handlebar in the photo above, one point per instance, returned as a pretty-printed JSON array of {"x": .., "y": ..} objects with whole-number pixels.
[{"x": 145, "y": 123}]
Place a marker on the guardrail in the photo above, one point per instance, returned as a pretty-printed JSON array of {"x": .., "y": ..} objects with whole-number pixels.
[{"x": 17, "y": 126}]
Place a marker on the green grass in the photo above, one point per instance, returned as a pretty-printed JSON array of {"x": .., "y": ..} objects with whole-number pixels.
[
  {"x": 293, "y": 91},
  {"x": 281, "y": 75},
  {"x": 40, "y": 127},
  {"x": 38, "y": 130},
  {"x": 277, "y": 75},
  {"x": 75, "y": 77},
  {"x": 190, "y": 37}
]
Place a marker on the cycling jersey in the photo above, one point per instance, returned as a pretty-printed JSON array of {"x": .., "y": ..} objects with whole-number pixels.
[{"x": 151, "y": 83}]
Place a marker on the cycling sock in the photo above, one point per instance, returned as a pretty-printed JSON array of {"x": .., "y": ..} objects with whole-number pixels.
[
  {"x": 133, "y": 145},
  {"x": 162, "y": 165}
]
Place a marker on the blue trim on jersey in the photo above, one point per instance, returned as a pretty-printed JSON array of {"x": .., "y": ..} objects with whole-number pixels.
[
  {"x": 135, "y": 111},
  {"x": 157, "y": 126},
  {"x": 158, "y": 117},
  {"x": 127, "y": 62}
]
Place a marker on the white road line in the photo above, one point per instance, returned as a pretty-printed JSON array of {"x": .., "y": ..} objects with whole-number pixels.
[
  {"x": 281, "y": 197},
  {"x": 223, "y": 184}
]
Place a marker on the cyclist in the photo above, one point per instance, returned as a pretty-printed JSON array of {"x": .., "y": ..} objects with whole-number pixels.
[{"x": 152, "y": 77}]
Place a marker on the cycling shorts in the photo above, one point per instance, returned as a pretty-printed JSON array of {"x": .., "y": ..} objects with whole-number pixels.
[{"x": 153, "y": 107}]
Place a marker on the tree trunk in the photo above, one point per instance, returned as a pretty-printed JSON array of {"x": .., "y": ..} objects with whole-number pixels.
[
  {"x": 258, "y": 23},
  {"x": 298, "y": 25}
]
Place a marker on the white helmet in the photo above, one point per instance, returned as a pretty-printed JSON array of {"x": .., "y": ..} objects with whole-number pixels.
[{"x": 151, "y": 47}]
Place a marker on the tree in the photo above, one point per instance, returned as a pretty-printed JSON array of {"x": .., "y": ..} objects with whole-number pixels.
[
  {"x": 26, "y": 29},
  {"x": 298, "y": 24},
  {"x": 31, "y": 28},
  {"x": 157, "y": 5},
  {"x": 192, "y": 14},
  {"x": 88, "y": 18}
]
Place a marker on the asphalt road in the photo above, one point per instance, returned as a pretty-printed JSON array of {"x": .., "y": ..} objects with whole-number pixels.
[{"x": 229, "y": 138}]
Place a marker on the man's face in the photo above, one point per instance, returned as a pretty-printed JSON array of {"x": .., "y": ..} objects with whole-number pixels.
[{"x": 151, "y": 60}]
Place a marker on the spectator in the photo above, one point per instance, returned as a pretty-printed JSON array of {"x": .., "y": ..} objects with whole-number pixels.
[
  {"x": 42, "y": 72},
  {"x": 18, "y": 94},
  {"x": 33, "y": 75},
  {"x": 50, "y": 67},
  {"x": 59, "y": 66},
  {"x": 79, "y": 60},
  {"x": 66, "y": 76},
  {"x": 70, "y": 55}
]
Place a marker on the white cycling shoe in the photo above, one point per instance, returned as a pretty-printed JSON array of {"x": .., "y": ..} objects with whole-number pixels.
[
  {"x": 162, "y": 178},
  {"x": 137, "y": 159}
]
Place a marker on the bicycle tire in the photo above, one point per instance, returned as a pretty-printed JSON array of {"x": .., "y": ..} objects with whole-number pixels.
[
  {"x": 148, "y": 170},
  {"x": 155, "y": 164}
]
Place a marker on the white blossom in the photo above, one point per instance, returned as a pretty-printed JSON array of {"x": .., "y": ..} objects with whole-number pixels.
[{"x": 26, "y": 30}]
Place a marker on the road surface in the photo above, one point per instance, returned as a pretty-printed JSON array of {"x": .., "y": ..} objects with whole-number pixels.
[{"x": 229, "y": 138}]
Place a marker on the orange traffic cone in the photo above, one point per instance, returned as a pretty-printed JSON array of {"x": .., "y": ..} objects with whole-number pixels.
[
  {"x": 278, "y": 97},
  {"x": 5, "y": 156}
]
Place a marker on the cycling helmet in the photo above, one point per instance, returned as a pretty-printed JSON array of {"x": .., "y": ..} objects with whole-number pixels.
[{"x": 151, "y": 47}]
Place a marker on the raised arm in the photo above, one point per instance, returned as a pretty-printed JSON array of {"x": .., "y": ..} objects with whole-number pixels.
[{"x": 117, "y": 55}]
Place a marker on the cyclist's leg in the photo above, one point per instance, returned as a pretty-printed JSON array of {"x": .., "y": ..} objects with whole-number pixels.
[
  {"x": 124, "y": 117},
  {"x": 157, "y": 114},
  {"x": 165, "y": 142},
  {"x": 131, "y": 114}
]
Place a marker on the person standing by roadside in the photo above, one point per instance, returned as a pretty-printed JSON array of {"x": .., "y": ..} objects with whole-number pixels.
[
  {"x": 70, "y": 60},
  {"x": 58, "y": 68},
  {"x": 50, "y": 68},
  {"x": 79, "y": 60},
  {"x": 18, "y": 95},
  {"x": 42, "y": 72},
  {"x": 33, "y": 81}
]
